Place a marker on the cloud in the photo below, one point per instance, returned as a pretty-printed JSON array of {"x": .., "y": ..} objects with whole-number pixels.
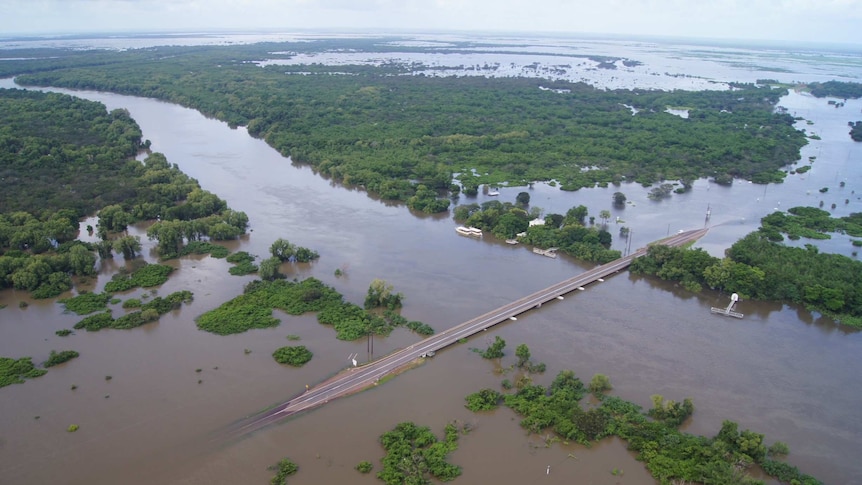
[{"x": 827, "y": 20}]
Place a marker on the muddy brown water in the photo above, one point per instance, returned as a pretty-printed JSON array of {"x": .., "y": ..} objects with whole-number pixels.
[{"x": 781, "y": 370}]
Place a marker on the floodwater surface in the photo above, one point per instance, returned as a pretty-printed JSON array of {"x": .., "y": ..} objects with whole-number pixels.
[{"x": 781, "y": 370}]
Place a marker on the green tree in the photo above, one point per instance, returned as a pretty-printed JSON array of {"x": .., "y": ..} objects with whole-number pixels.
[
  {"x": 523, "y": 354},
  {"x": 600, "y": 384},
  {"x": 605, "y": 216},
  {"x": 523, "y": 198},
  {"x": 113, "y": 218},
  {"x": 495, "y": 350},
  {"x": 576, "y": 215},
  {"x": 169, "y": 235},
  {"x": 129, "y": 246},
  {"x": 81, "y": 260},
  {"x": 282, "y": 249},
  {"x": 269, "y": 269},
  {"x": 380, "y": 294},
  {"x": 619, "y": 199}
]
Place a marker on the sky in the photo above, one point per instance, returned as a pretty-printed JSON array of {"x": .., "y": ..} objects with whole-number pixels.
[{"x": 822, "y": 21}]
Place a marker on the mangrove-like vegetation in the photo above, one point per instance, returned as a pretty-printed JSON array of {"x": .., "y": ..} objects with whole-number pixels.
[
  {"x": 670, "y": 455},
  {"x": 148, "y": 312},
  {"x": 836, "y": 89},
  {"x": 403, "y": 137},
  {"x": 62, "y": 158},
  {"x": 253, "y": 309},
  {"x": 759, "y": 266},
  {"x": 414, "y": 455}
]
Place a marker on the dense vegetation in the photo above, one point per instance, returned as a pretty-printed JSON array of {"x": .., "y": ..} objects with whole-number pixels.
[
  {"x": 63, "y": 157},
  {"x": 204, "y": 247},
  {"x": 285, "y": 250},
  {"x": 14, "y": 371},
  {"x": 253, "y": 309},
  {"x": 243, "y": 263},
  {"x": 57, "y": 358},
  {"x": 381, "y": 295},
  {"x": 296, "y": 356},
  {"x": 61, "y": 152},
  {"x": 402, "y": 137},
  {"x": 148, "y": 312},
  {"x": 86, "y": 302},
  {"x": 671, "y": 456},
  {"x": 759, "y": 267},
  {"x": 836, "y": 89},
  {"x": 413, "y": 454},
  {"x": 146, "y": 276}
]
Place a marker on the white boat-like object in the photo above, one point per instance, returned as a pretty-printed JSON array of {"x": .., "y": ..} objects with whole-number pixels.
[{"x": 468, "y": 231}]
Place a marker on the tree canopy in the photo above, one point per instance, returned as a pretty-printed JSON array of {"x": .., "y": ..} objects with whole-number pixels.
[{"x": 402, "y": 137}]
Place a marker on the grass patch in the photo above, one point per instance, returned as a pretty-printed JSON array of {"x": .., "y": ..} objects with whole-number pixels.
[
  {"x": 14, "y": 371},
  {"x": 149, "y": 312},
  {"x": 204, "y": 247},
  {"x": 283, "y": 469},
  {"x": 253, "y": 309},
  {"x": 132, "y": 303},
  {"x": 57, "y": 358},
  {"x": 86, "y": 303},
  {"x": 145, "y": 277},
  {"x": 243, "y": 263}
]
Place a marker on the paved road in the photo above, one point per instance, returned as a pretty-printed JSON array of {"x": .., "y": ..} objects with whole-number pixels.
[{"x": 358, "y": 378}]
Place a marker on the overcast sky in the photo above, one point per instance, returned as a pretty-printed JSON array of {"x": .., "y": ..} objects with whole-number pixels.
[{"x": 796, "y": 20}]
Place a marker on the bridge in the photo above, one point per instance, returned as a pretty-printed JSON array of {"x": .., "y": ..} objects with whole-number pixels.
[{"x": 358, "y": 378}]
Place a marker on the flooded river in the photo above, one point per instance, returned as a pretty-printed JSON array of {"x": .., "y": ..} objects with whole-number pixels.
[{"x": 781, "y": 370}]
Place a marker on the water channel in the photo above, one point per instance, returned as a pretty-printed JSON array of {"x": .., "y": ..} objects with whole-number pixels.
[{"x": 781, "y": 370}]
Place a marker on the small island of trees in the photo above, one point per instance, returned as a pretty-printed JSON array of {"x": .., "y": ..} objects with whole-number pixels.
[{"x": 670, "y": 455}]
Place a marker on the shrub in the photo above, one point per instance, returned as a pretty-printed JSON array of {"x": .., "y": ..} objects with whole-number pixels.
[
  {"x": 296, "y": 356},
  {"x": 283, "y": 469},
  {"x": 204, "y": 247},
  {"x": 146, "y": 276},
  {"x": 778, "y": 448},
  {"x": 364, "y": 466},
  {"x": 484, "y": 400},
  {"x": 86, "y": 302},
  {"x": 14, "y": 371},
  {"x": 72, "y": 428},
  {"x": 599, "y": 384},
  {"x": 63, "y": 333},
  {"x": 132, "y": 303},
  {"x": 57, "y": 358}
]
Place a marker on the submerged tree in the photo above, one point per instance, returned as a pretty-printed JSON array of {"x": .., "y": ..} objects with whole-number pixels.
[{"x": 380, "y": 294}]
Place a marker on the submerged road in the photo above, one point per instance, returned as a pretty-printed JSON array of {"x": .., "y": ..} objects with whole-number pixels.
[{"x": 358, "y": 378}]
